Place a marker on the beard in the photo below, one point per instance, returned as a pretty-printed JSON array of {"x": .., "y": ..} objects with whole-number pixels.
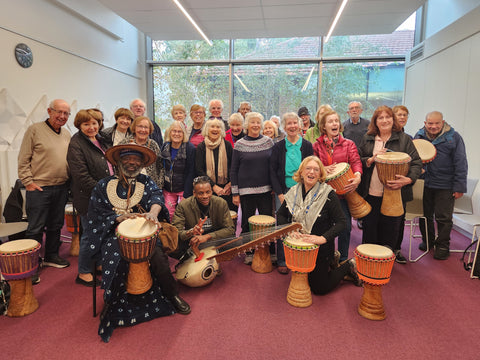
[{"x": 131, "y": 174}]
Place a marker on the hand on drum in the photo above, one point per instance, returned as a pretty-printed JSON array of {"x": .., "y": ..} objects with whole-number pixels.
[
  {"x": 330, "y": 168},
  {"x": 198, "y": 239},
  {"x": 400, "y": 182},
  {"x": 127, "y": 216},
  {"x": 371, "y": 160},
  {"x": 353, "y": 183},
  {"x": 309, "y": 238}
]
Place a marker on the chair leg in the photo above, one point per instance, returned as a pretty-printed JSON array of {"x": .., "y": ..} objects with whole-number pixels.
[
  {"x": 476, "y": 253},
  {"x": 412, "y": 230},
  {"x": 94, "y": 291}
]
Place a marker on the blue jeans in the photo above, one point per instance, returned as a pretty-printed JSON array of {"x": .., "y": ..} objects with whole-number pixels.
[
  {"x": 45, "y": 213},
  {"x": 344, "y": 236},
  {"x": 85, "y": 262}
]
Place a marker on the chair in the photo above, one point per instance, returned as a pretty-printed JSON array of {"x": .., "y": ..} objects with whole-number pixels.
[{"x": 413, "y": 214}]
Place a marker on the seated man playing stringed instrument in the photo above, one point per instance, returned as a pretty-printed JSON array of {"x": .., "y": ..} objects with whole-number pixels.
[{"x": 201, "y": 217}]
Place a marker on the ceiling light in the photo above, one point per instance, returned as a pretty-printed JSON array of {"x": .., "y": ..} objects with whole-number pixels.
[
  {"x": 308, "y": 79},
  {"x": 187, "y": 15},
  {"x": 241, "y": 83},
  {"x": 344, "y": 3}
]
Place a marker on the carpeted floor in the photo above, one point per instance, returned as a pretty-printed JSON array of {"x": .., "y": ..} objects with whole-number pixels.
[{"x": 432, "y": 313}]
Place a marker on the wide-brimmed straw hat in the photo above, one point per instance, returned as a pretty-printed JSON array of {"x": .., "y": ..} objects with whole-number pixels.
[{"x": 115, "y": 152}]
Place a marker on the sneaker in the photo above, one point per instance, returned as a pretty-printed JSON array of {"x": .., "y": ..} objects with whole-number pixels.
[
  {"x": 352, "y": 273},
  {"x": 399, "y": 258},
  {"x": 35, "y": 279},
  {"x": 441, "y": 253},
  {"x": 360, "y": 224},
  {"x": 56, "y": 262},
  {"x": 248, "y": 259}
]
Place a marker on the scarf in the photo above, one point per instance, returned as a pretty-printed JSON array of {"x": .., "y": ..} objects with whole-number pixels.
[
  {"x": 222, "y": 166},
  {"x": 306, "y": 211},
  {"x": 329, "y": 145}
]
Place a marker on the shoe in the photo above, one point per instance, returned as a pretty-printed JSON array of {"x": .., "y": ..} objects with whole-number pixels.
[
  {"x": 399, "y": 258},
  {"x": 336, "y": 259},
  {"x": 35, "y": 279},
  {"x": 56, "y": 262},
  {"x": 360, "y": 224},
  {"x": 283, "y": 270},
  {"x": 423, "y": 246},
  {"x": 273, "y": 257},
  {"x": 248, "y": 259},
  {"x": 180, "y": 305},
  {"x": 441, "y": 253},
  {"x": 352, "y": 272},
  {"x": 80, "y": 281}
]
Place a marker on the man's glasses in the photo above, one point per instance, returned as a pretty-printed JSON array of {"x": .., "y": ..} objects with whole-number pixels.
[{"x": 59, "y": 112}]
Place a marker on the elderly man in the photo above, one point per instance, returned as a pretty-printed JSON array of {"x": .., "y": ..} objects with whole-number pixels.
[
  {"x": 139, "y": 108},
  {"x": 215, "y": 107},
  {"x": 355, "y": 127},
  {"x": 115, "y": 199},
  {"x": 205, "y": 209},
  {"x": 445, "y": 181},
  {"x": 304, "y": 114},
  {"x": 42, "y": 168},
  {"x": 244, "y": 108}
]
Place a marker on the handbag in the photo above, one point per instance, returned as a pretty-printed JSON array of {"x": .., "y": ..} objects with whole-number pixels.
[{"x": 168, "y": 235}]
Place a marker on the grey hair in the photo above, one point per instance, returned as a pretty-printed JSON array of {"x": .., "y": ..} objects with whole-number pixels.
[
  {"x": 291, "y": 115},
  {"x": 249, "y": 117},
  {"x": 208, "y": 125}
]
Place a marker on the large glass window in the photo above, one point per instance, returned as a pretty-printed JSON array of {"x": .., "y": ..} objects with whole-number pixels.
[
  {"x": 278, "y": 48},
  {"x": 177, "y": 50}
]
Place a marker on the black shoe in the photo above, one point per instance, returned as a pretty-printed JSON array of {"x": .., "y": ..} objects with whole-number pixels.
[
  {"x": 423, "y": 246},
  {"x": 441, "y": 253},
  {"x": 399, "y": 258},
  {"x": 56, "y": 262},
  {"x": 35, "y": 279},
  {"x": 80, "y": 281},
  {"x": 180, "y": 305},
  {"x": 352, "y": 273},
  {"x": 360, "y": 224}
]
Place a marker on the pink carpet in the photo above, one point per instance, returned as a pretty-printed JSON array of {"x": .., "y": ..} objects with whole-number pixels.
[{"x": 432, "y": 313}]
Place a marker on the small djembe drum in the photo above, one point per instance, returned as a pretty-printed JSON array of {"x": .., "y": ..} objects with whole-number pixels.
[
  {"x": 374, "y": 266},
  {"x": 137, "y": 238},
  {"x": 301, "y": 258},
  {"x": 72, "y": 223},
  {"x": 388, "y": 165},
  {"x": 426, "y": 150},
  {"x": 234, "y": 216},
  {"x": 261, "y": 225},
  {"x": 18, "y": 262},
  {"x": 196, "y": 272},
  {"x": 338, "y": 179}
]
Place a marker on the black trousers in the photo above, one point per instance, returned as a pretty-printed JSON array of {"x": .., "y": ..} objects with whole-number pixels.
[
  {"x": 322, "y": 280},
  {"x": 250, "y": 203},
  {"x": 161, "y": 270}
]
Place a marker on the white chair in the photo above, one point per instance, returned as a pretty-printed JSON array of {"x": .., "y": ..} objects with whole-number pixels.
[{"x": 413, "y": 214}]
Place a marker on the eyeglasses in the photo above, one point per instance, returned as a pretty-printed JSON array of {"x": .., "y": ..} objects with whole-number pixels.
[
  {"x": 198, "y": 112},
  {"x": 143, "y": 127},
  {"x": 59, "y": 112},
  {"x": 314, "y": 169},
  {"x": 138, "y": 106}
]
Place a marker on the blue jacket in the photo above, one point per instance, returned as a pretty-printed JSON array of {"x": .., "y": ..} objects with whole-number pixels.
[{"x": 449, "y": 168}]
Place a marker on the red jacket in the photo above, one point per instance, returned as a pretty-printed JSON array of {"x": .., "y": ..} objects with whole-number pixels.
[{"x": 344, "y": 151}]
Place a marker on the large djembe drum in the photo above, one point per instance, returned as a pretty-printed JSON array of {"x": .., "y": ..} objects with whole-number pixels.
[
  {"x": 137, "y": 238},
  {"x": 426, "y": 150},
  {"x": 261, "y": 225},
  {"x": 374, "y": 266},
  {"x": 72, "y": 222},
  {"x": 338, "y": 179},
  {"x": 18, "y": 262},
  {"x": 301, "y": 258},
  {"x": 388, "y": 165}
]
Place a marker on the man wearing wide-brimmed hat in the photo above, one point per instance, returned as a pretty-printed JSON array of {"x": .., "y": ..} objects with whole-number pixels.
[{"x": 115, "y": 199}]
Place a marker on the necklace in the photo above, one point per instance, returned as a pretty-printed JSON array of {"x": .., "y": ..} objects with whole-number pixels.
[{"x": 120, "y": 206}]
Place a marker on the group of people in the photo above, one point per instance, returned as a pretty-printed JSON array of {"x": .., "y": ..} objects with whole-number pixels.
[{"x": 196, "y": 174}]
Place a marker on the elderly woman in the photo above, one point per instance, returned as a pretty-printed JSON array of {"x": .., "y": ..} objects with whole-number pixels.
[
  {"x": 315, "y": 205},
  {"x": 270, "y": 129},
  {"x": 194, "y": 131},
  {"x": 332, "y": 148},
  {"x": 113, "y": 135},
  {"x": 286, "y": 158},
  {"x": 314, "y": 132},
  {"x": 235, "y": 133},
  {"x": 213, "y": 158},
  {"x": 249, "y": 174},
  {"x": 141, "y": 130},
  {"x": 281, "y": 133},
  {"x": 87, "y": 165},
  {"x": 178, "y": 157},
  {"x": 385, "y": 134},
  {"x": 179, "y": 113}
]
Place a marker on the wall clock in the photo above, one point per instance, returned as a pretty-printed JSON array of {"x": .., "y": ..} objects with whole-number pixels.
[{"x": 24, "y": 55}]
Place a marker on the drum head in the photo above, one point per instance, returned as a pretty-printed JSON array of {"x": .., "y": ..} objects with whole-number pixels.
[
  {"x": 69, "y": 209},
  {"x": 426, "y": 150},
  {"x": 340, "y": 169},
  {"x": 16, "y": 246},
  {"x": 233, "y": 214},
  {"x": 298, "y": 243},
  {"x": 393, "y": 157},
  {"x": 261, "y": 220},
  {"x": 374, "y": 251},
  {"x": 136, "y": 228}
]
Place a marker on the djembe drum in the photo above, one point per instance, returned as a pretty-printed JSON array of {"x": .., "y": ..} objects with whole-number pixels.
[
  {"x": 338, "y": 179},
  {"x": 18, "y": 262},
  {"x": 137, "y": 238},
  {"x": 73, "y": 223},
  {"x": 301, "y": 258},
  {"x": 374, "y": 266},
  {"x": 261, "y": 225},
  {"x": 426, "y": 150},
  {"x": 388, "y": 165}
]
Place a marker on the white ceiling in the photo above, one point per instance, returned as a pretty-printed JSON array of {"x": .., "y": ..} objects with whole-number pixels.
[{"x": 242, "y": 19}]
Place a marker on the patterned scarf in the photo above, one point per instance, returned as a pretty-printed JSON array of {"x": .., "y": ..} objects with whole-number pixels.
[
  {"x": 222, "y": 166},
  {"x": 329, "y": 145}
]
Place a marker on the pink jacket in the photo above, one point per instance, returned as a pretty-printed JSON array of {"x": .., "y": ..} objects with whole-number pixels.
[{"x": 344, "y": 151}]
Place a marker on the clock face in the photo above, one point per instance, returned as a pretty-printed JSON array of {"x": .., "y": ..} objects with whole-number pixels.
[{"x": 24, "y": 55}]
